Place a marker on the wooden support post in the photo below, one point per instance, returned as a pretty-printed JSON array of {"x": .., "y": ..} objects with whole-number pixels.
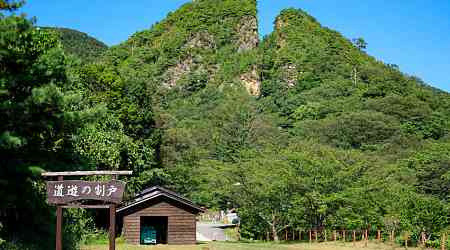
[
  {"x": 334, "y": 235},
  {"x": 378, "y": 235},
  {"x": 112, "y": 223},
  {"x": 112, "y": 227},
  {"x": 310, "y": 237},
  {"x": 59, "y": 222}
]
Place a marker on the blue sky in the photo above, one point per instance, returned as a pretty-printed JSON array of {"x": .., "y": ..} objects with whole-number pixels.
[{"x": 414, "y": 34}]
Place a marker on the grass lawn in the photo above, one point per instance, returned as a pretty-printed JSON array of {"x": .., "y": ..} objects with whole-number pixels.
[{"x": 253, "y": 246}]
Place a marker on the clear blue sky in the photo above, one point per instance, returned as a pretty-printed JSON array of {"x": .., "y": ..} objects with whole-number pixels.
[{"x": 414, "y": 34}]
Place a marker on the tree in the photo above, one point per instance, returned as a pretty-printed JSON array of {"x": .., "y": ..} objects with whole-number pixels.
[
  {"x": 9, "y": 5},
  {"x": 41, "y": 110},
  {"x": 262, "y": 190},
  {"x": 360, "y": 43}
]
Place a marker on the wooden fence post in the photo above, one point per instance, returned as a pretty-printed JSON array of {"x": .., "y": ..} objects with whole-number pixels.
[
  {"x": 378, "y": 235},
  {"x": 310, "y": 237}
]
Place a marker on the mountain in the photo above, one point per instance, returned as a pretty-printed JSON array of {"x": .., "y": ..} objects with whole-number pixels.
[
  {"x": 303, "y": 119},
  {"x": 186, "y": 69},
  {"x": 300, "y": 130},
  {"x": 80, "y": 44},
  {"x": 323, "y": 84},
  {"x": 201, "y": 38}
]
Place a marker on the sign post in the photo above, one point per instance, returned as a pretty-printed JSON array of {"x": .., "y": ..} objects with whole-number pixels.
[{"x": 71, "y": 194}]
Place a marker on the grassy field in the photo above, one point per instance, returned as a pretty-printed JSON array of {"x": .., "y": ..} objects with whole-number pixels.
[{"x": 254, "y": 246}]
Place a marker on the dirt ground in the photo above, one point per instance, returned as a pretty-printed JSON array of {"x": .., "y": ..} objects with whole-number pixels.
[{"x": 255, "y": 246}]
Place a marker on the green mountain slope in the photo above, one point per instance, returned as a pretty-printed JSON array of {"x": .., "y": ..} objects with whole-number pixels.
[
  {"x": 206, "y": 39},
  {"x": 183, "y": 85},
  {"x": 80, "y": 44},
  {"x": 326, "y": 87},
  {"x": 302, "y": 130}
]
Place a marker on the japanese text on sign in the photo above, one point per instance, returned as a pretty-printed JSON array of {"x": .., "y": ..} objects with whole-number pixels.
[{"x": 62, "y": 192}]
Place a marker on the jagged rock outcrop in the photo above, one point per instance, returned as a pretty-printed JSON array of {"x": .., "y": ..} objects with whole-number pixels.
[
  {"x": 247, "y": 34},
  {"x": 176, "y": 72},
  {"x": 248, "y": 39},
  {"x": 202, "y": 40},
  {"x": 251, "y": 81},
  {"x": 206, "y": 35},
  {"x": 290, "y": 74}
]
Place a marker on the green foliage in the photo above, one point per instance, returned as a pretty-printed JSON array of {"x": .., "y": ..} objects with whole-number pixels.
[
  {"x": 79, "y": 44},
  {"x": 43, "y": 111},
  {"x": 336, "y": 139},
  {"x": 353, "y": 130},
  {"x": 9, "y": 5}
]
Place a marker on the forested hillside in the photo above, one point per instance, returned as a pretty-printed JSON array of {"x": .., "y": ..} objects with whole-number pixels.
[
  {"x": 79, "y": 44},
  {"x": 302, "y": 129}
]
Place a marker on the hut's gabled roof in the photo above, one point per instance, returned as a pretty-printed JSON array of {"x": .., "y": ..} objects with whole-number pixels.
[{"x": 159, "y": 192}]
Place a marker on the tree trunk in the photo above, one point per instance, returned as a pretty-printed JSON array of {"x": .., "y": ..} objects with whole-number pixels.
[{"x": 274, "y": 232}]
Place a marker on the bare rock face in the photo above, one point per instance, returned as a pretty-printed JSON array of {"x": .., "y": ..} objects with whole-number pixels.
[
  {"x": 252, "y": 82},
  {"x": 247, "y": 34},
  {"x": 280, "y": 24},
  {"x": 176, "y": 72},
  {"x": 290, "y": 74},
  {"x": 202, "y": 40}
]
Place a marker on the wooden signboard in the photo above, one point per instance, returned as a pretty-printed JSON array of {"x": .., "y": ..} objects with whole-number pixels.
[{"x": 64, "y": 192}]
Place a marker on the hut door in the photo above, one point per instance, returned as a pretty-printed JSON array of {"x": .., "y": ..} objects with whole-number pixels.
[{"x": 153, "y": 230}]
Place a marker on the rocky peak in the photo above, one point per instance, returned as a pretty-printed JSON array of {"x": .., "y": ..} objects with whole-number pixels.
[{"x": 247, "y": 32}]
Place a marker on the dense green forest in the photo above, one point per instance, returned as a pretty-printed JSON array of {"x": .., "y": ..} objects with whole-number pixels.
[
  {"x": 301, "y": 129},
  {"x": 79, "y": 44}
]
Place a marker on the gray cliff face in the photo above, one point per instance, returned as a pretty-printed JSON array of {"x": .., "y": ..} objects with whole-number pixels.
[
  {"x": 247, "y": 31},
  {"x": 248, "y": 40}
]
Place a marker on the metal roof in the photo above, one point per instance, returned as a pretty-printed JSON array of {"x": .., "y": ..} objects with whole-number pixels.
[{"x": 155, "y": 192}]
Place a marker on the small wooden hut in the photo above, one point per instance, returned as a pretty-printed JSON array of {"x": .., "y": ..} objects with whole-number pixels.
[{"x": 159, "y": 216}]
